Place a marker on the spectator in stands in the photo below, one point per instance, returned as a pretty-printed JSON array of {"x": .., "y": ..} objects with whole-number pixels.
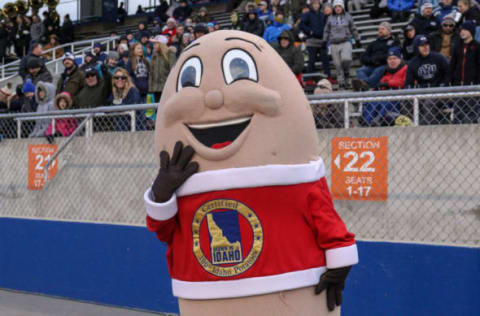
[
  {"x": 264, "y": 13},
  {"x": 53, "y": 42},
  {"x": 37, "y": 30},
  {"x": 327, "y": 115},
  {"x": 36, "y": 52},
  {"x": 162, "y": 62},
  {"x": 157, "y": 26},
  {"x": 294, "y": 8},
  {"x": 338, "y": 32},
  {"x": 28, "y": 91},
  {"x": 131, "y": 39},
  {"x": 253, "y": 24},
  {"x": 138, "y": 69},
  {"x": 121, "y": 14},
  {"x": 374, "y": 58},
  {"x": 95, "y": 91},
  {"x": 63, "y": 126},
  {"x": 17, "y": 100},
  {"x": 465, "y": 70},
  {"x": 469, "y": 11},
  {"x": 124, "y": 92},
  {"x": 170, "y": 30},
  {"x": 408, "y": 50},
  {"x": 161, "y": 11},
  {"x": 236, "y": 25},
  {"x": 22, "y": 37},
  {"x": 177, "y": 39},
  {"x": 444, "y": 8},
  {"x": 312, "y": 24},
  {"x": 200, "y": 30},
  {"x": 327, "y": 10},
  {"x": 399, "y": 10},
  {"x": 276, "y": 28},
  {"x": 202, "y": 16},
  {"x": 38, "y": 72},
  {"x": 67, "y": 30},
  {"x": 140, "y": 10},
  {"x": 428, "y": 69},
  {"x": 141, "y": 31},
  {"x": 112, "y": 61},
  {"x": 186, "y": 40},
  {"x": 384, "y": 113},
  {"x": 183, "y": 11},
  {"x": 98, "y": 53},
  {"x": 89, "y": 61},
  {"x": 147, "y": 49},
  {"x": 426, "y": 23},
  {"x": 444, "y": 40},
  {"x": 420, "y": 3},
  {"x": 124, "y": 58},
  {"x": 292, "y": 55},
  {"x": 72, "y": 79},
  {"x": 379, "y": 8},
  {"x": 122, "y": 48},
  {"x": 44, "y": 95},
  {"x": 355, "y": 5},
  {"x": 210, "y": 27},
  {"x": 4, "y": 41}
]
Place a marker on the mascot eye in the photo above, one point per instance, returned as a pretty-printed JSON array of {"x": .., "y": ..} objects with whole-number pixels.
[
  {"x": 237, "y": 65},
  {"x": 190, "y": 74}
]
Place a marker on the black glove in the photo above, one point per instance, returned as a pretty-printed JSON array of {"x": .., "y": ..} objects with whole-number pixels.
[
  {"x": 333, "y": 280},
  {"x": 173, "y": 172}
]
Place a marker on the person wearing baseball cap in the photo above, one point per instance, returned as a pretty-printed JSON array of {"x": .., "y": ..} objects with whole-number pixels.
[
  {"x": 72, "y": 79},
  {"x": 425, "y": 23},
  {"x": 408, "y": 50},
  {"x": 374, "y": 58}
]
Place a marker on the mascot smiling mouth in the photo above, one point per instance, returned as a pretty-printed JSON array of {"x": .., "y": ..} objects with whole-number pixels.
[{"x": 220, "y": 134}]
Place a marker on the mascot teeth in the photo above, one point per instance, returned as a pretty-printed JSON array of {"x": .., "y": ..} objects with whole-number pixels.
[{"x": 219, "y": 124}]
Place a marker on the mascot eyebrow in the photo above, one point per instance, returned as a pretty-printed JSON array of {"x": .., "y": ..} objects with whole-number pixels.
[
  {"x": 191, "y": 46},
  {"x": 242, "y": 39}
]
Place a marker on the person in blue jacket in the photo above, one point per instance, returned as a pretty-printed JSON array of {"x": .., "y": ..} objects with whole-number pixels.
[
  {"x": 273, "y": 32},
  {"x": 400, "y": 9}
]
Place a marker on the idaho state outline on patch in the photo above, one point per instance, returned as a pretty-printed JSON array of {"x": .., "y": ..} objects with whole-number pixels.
[{"x": 227, "y": 237}]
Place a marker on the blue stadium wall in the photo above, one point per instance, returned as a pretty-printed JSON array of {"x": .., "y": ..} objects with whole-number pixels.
[{"x": 125, "y": 266}]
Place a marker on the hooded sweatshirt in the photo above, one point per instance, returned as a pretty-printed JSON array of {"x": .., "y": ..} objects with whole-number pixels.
[
  {"x": 340, "y": 28},
  {"x": 44, "y": 106}
]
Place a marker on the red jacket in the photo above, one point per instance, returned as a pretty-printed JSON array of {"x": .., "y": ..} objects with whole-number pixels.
[
  {"x": 395, "y": 80},
  {"x": 251, "y": 231}
]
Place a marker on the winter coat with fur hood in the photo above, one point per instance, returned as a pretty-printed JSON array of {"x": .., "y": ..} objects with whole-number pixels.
[{"x": 45, "y": 105}]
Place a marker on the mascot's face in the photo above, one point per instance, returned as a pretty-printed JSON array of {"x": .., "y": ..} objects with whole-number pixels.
[{"x": 233, "y": 99}]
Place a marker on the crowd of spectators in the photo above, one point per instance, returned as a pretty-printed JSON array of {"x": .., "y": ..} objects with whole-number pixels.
[{"x": 438, "y": 48}]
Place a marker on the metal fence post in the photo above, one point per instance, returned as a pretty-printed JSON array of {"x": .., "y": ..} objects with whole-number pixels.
[
  {"x": 132, "y": 121},
  {"x": 346, "y": 114},
  {"x": 19, "y": 129},
  {"x": 53, "y": 126},
  {"x": 416, "y": 110}
]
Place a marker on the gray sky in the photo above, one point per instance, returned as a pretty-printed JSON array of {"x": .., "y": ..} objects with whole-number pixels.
[{"x": 70, "y": 6}]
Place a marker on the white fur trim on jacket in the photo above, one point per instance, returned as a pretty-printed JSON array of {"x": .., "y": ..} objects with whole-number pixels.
[
  {"x": 160, "y": 211},
  {"x": 341, "y": 257}
]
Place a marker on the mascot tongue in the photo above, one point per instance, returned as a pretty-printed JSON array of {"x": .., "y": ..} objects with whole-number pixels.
[{"x": 221, "y": 145}]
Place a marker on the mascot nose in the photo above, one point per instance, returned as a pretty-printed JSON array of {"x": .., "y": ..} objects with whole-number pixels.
[{"x": 214, "y": 99}]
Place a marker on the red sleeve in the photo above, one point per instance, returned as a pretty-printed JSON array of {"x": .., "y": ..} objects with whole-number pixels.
[
  {"x": 330, "y": 231},
  {"x": 163, "y": 229}
]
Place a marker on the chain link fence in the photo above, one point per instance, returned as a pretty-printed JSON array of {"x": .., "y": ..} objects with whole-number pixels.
[{"x": 419, "y": 185}]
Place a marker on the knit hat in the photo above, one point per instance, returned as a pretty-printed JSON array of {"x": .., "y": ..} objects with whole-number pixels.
[
  {"x": 448, "y": 18},
  {"x": 395, "y": 51},
  {"x": 34, "y": 63},
  {"x": 69, "y": 55},
  {"x": 469, "y": 26},
  {"x": 113, "y": 55},
  {"x": 339, "y": 2},
  {"x": 170, "y": 19},
  {"x": 97, "y": 45},
  {"x": 386, "y": 25},
  {"x": 28, "y": 87},
  {"x": 159, "y": 39},
  {"x": 426, "y": 5},
  {"x": 210, "y": 24},
  {"x": 89, "y": 54}
]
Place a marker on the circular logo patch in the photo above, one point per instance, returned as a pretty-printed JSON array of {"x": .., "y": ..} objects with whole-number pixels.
[{"x": 227, "y": 237}]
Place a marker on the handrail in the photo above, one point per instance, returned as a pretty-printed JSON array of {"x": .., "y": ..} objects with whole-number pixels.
[{"x": 64, "y": 145}]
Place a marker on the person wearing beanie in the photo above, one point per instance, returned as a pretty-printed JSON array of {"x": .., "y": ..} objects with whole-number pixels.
[
  {"x": 202, "y": 16},
  {"x": 408, "y": 50},
  {"x": 183, "y": 11},
  {"x": 313, "y": 24},
  {"x": 374, "y": 59},
  {"x": 465, "y": 70},
  {"x": 428, "y": 70},
  {"x": 385, "y": 113},
  {"x": 28, "y": 105},
  {"x": 112, "y": 61},
  {"x": 28, "y": 87},
  {"x": 400, "y": 9},
  {"x": 170, "y": 30},
  {"x": 445, "y": 39},
  {"x": 98, "y": 53},
  {"x": 339, "y": 31},
  {"x": 72, "y": 78},
  {"x": 37, "y": 71},
  {"x": 425, "y": 23},
  {"x": 36, "y": 51},
  {"x": 446, "y": 8}
]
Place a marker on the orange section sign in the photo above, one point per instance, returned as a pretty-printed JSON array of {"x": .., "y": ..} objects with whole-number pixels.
[
  {"x": 360, "y": 168},
  {"x": 38, "y": 156}
]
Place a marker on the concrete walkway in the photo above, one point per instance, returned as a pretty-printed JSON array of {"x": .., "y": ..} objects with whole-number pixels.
[{"x": 21, "y": 304}]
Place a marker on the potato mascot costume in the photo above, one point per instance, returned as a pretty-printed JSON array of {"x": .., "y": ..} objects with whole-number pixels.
[{"x": 241, "y": 197}]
